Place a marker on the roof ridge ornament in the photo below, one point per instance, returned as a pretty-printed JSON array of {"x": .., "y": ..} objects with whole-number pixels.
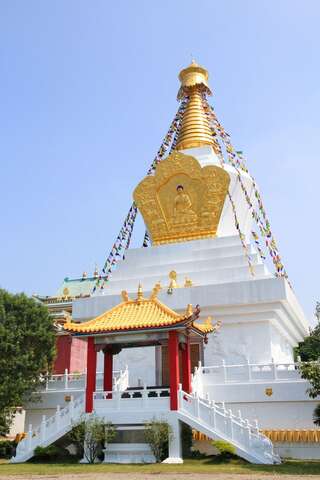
[
  {"x": 125, "y": 296},
  {"x": 140, "y": 294}
]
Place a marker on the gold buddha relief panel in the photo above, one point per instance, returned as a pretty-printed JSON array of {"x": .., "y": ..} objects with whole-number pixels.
[{"x": 182, "y": 201}]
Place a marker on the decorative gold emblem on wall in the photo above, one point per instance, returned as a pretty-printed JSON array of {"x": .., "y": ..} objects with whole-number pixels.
[
  {"x": 182, "y": 201},
  {"x": 269, "y": 391}
]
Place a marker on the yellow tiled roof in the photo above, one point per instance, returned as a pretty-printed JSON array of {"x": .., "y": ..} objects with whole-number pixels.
[{"x": 141, "y": 313}]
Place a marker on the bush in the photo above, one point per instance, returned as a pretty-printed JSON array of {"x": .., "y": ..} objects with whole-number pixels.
[
  {"x": 90, "y": 435},
  {"x": 316, "y": 415},
  {"x": 50, "y": 453},
  {"x": 157, "y": 434},
  {"x": 197, "y": 455},
  {"x": 7, "y": 448},
  {"x": 226, "y": 450}
]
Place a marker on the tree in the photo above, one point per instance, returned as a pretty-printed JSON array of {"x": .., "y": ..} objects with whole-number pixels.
[
  {"x": 309, "y": 349},
  {"x": 89, "y": 434},
  {"x": 157, "y": 434},
  {"x": 27, "y": 350},
  {"x": 311, "y": 371},
  {"x": 316, "y": 415}
]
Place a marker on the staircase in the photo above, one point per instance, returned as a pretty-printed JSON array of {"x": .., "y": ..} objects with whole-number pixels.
[
  {"x": 203, "y": 415},
  {"x": 216, "y": 422},
  {"x": 50, "y": 429}
]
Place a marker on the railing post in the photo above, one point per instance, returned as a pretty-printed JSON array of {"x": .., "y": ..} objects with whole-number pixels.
[
  {"x": 231, "y": 423},
  {"x": 275, "y": 373},
  {"x": 29, "y": 436},
  {"x": 118, "y": 399},
  {"x": 58, "y": 417},
  {"x": 249, "y": 370},
  {"x": 212, "y": 414},
  {"x": 47, "y": 382},
  {"x": 180, "y": 395},
  {"x": 71, "y": 407},
  {"x": 224, "y": 371},
  {"x": 196, "y": 405},
  {"x": 144, "y": 396},
  {"x": 66, "y": 379},
  {"x": 43, "y": 428},
  {"x": 249, "y": 432}
]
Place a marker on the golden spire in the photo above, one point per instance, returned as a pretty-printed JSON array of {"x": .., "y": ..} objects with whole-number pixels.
[
  {"x": 195, "y": 130},
  {"x": 140, "y": 293}
]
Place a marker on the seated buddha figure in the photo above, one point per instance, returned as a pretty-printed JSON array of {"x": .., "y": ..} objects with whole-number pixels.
[{"x": 183, "y": 212}]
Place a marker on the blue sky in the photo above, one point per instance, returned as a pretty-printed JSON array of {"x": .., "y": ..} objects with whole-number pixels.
[{"x": 87, "y": 91}]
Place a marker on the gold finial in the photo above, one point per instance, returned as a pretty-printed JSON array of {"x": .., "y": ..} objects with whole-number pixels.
[
  {"x": 140, "y": 292},
  {"x": 173, "y": 279},
  {"x": 125, "y": 296},
  {"x": 96, "y": 271},
  {"x": 187, "y": 282},
  {"x": 194, "y": 75},
  {"x": 189, "y": 310},
  {"x": 208, "y": 322},
  {"x": 156, "y": 289},
  {"x": 66, "y": 292},
  {"x": 195, "y": 130}
]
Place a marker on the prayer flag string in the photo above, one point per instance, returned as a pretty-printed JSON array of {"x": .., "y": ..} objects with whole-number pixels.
[
  {"x": 236, "y": 159},
  {"x": 123, "y": 239}
]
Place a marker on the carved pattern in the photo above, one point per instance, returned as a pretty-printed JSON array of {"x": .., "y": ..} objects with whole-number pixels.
[{"x": 174, "y": 214}]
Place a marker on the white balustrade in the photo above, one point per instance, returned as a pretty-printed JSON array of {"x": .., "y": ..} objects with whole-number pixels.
[
  {"x": 245, "y": 373},
  {"x": 215, "y": 420},
  {"x": 77, "y": 381},
  {"x": 50, "y": 429},
  {"x": 143, "y": 399}
]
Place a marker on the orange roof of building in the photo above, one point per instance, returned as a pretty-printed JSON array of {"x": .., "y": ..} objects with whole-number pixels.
[{"x": 141, "y": 313}]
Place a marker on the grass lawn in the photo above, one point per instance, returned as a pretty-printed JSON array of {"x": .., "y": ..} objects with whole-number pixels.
[{"x": 290, "y": 467}]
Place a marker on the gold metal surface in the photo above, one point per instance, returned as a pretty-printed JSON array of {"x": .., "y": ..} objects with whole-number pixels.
[
  {"x": 182, "y": 201},
  {"x": 195, "y": 130},
  {"x": 188, "y": 282},
  {"x": 194, "y": 75}
]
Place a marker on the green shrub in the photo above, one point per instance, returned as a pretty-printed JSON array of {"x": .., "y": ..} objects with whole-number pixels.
[
  {"x": 7, "y": 448},
  {"x": 226, "y": 450},
  {"x": 197, "y": 455},
  {"x": 94, "y": 433},
  {"x": 157, "y": 434},
  {"x": 50, "y": 453}
]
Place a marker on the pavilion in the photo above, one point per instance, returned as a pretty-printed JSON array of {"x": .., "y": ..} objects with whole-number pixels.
[{"x": 141, "y": 322}]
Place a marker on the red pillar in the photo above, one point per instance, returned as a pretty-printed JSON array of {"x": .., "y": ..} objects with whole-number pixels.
[
  {"x": 108, "y": 370},
  {"x": 91, "y": 374},
  {"x": 173, "y": 348},
  {"x": 186, "y": 367}
]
